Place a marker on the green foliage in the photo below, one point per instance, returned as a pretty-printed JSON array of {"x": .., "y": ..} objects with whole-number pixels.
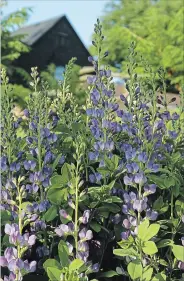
[
  {"x": 12, "y": 46},
  {"x": 157, "y": 28}
]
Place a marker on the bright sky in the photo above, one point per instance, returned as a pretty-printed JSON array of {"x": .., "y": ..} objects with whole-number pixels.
[{"x": 82, "y": 14}]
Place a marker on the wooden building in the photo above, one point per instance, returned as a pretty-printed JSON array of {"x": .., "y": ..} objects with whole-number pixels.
[{"x": 52, "y": 41}]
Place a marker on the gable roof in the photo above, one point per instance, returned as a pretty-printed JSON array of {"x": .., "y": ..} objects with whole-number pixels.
[{"x": 35, "y": 31}]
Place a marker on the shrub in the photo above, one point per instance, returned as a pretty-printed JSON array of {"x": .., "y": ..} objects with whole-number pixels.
[{"x": 93, "y": 193}]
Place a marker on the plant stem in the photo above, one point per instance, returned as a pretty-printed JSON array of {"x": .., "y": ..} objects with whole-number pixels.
[{"x": 76, "y": 208}]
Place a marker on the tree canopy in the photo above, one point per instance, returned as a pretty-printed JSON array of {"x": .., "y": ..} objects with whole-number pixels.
[
  {"x": 157, "y": 28},
  {"x": 12, "y": 46}
]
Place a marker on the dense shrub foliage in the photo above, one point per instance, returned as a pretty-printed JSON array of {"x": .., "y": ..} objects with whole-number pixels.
[{"x": 93, "y": 193}]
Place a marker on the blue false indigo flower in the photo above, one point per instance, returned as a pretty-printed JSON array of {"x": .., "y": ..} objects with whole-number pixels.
[
  {"x": 38, "y": 225},
  {"x": 93, "y": 156},
  {"x": 32, "y": 188},
  {"x": 11, "y": 277},
  {"x": 43, "y": 206},
  {"x": 122, "y": 97},
  {"x": 29, "y": 165},
  {"x": 96, "y": 267},
  {"x": 130, "y": 153},
  {"x": 175, "y": 116},
  {"x": 85, "y": 234},
  {"x": 181, "y": 265},
  {"x": 91, "y": 79},
  {"x": 173, "y": 134},
  {"x": 140, "y": 205},
  {"x": 142, "y": 157},
  {"x": 128, "y": 180},
  {"x": 64, "y": 214},
  {"x": 132, "y": 168},
  {"x": 127, "y": 117},
  {"x": 140, "y": 178},
  {"x": 90, "y": 59},
  {"x": 64, "y": 230},
  {"x": 52, "y": 138},
  {"x": 94, "y": 178},
  {"x": 85, "y": 218},
  {"x": 153, "y": 167},
  {"x": 150, "y": 189},
  {"x": 62, "y": 160},
  {"x": 32, "y": 126},
  {"x": 48, "y": 157},
  {"x": 151, "y": 214},
  {"x": 165, "y": 116},
  {"x": 14, "y": 167},
  {"x": 126, "y": 224},
  {"x": 70, "y": 247},
  {"x": 3, "y": 163},
  {"x": 26, "y": 113},
  {"x": 125, "y": 235}
]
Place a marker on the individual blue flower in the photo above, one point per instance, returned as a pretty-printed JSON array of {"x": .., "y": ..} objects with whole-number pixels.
[
  {"x": 29, "y": 164},
  {"x": 85, "y": 234},
  {"x": 93, "y": 156},
  {"x": 173, "y": 134},
  {"x": 14, "y": 167},
  {"x": 151, "y": 214},
  {"x": 52, "y": 138},
  {"x": 150, "y": 189},
  {"x": 132, "y": 168},
  {"x": 142, "y": 157},
  {"x": 153, "y": 167},
  {"x": 3, "y": 163},
  {"x": 140, "y": 205},
  {"x": 94, "y": 178},
  {"x": 128, "y": 180},
  {"x": 125, "y": 235},
  {"x": 140, "y": 178},
  {"x": 85, "y": 218},
  {"x": 95, "y": 96},
  {"x": 175, "y": 116}
]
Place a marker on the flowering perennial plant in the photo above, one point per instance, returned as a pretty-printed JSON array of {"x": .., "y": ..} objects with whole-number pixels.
[{"x": 94, "y": 193}]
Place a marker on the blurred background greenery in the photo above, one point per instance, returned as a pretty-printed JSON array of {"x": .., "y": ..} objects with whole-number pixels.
[{"x": 157, "y": 26}]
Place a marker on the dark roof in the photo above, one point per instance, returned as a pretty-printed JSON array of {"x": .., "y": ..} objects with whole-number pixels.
[{"x": 35, "y": 31}]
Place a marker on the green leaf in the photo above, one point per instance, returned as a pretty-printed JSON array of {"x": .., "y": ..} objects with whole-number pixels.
[
  {"x": 56, "y": 161},
  {"x": 57, "y": 195},
  {"x": 66, "y": 173},
  {"x": 169, "y": 181},
  {"x": 164, "y": 243},
  {"x": 158, "y": 203},
  {"x": 147, "y": 274},
  {"x": 108, "y": 274},
  {"x": 159, "y": 277},
  {"x": 56, "y": 181},
  {"x": 50, "y": 214},
  {"x": 178, "y": 252},
  {"x": 54, "y": 273},
  {"x": 63, "y": 253},
  {"x": 95, "y": 226},
  {"x": 142, "y": 228},
  {"x": 125, "y": 252},
  {"x": 51, "y": 263},
  {"x": 5, "y": 217},
  {"x": 145, "y": 233},
  {"x": 75, "y": 265},
  {"x": 179, "y": 205},
  {"x": 135, "y": 269},
  {"x": 150, "y": 248}
]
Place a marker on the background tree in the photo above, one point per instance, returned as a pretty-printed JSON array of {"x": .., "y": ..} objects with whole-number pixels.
[
  {"x": 157, "y": 28},
  {"x": 12, "y": 46}
]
